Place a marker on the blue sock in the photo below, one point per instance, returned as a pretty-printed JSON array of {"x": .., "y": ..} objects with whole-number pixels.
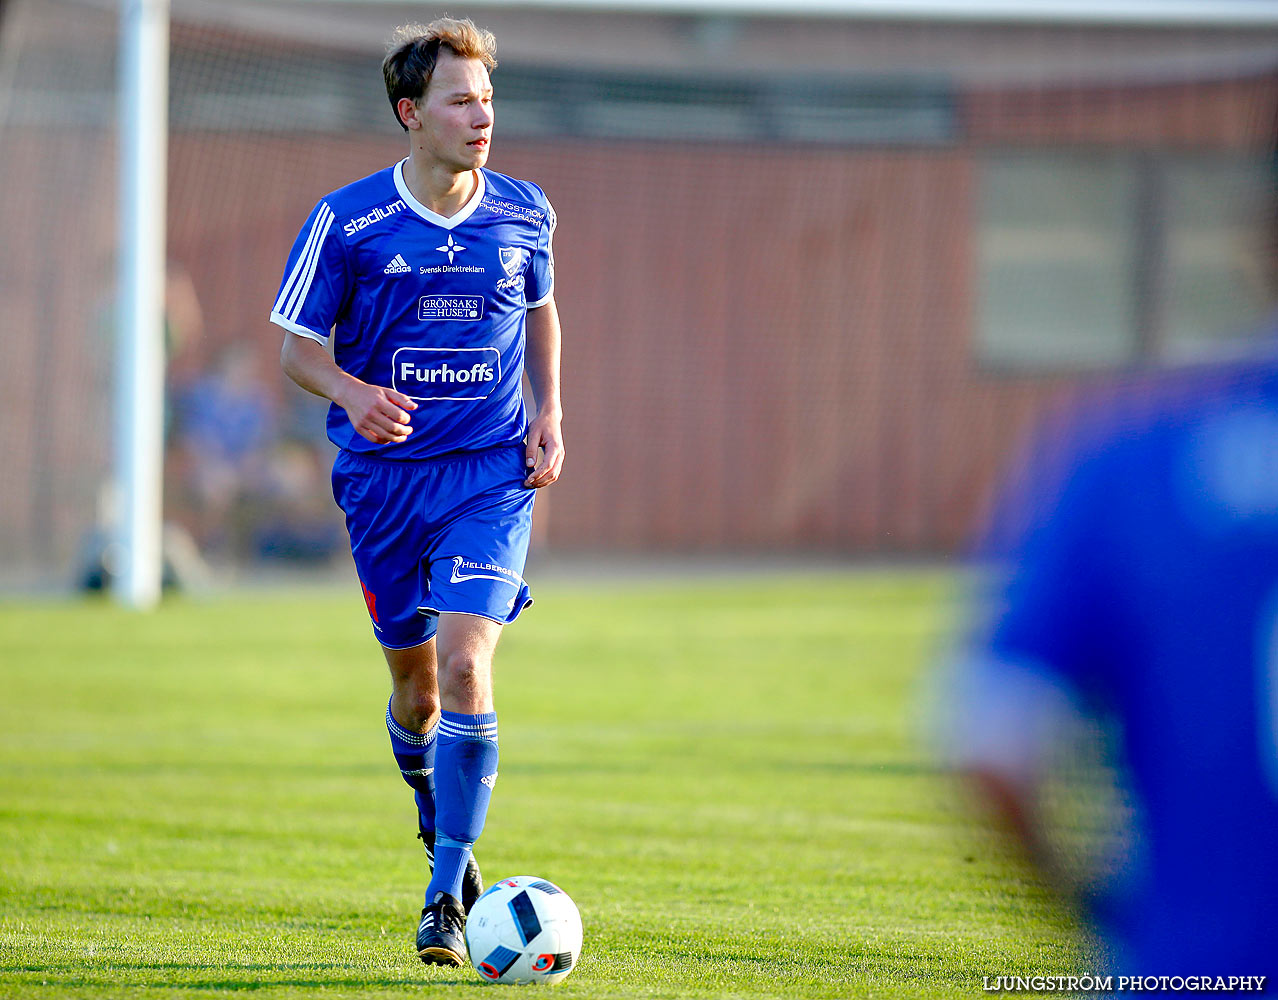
[
  {"x": 415, "y": 755},
  {"x": 465, "y": 772}
]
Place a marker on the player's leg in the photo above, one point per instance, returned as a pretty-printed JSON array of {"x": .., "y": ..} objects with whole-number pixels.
[
  {"x": 465, "y": 772},
  {"x": 466, "y": 760},
  {"x": 389, "y": 540},
  {"x": 412, "y": 718},
  {"x": 476, "y": 586}
]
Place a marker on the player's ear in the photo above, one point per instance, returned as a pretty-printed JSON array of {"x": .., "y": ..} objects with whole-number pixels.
[{"x": 408, "y": 112}]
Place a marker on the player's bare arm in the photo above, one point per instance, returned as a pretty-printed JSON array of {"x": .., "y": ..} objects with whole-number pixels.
[
  {"x": 378, "y": 414},
  {"x": 545, "y": 445}
]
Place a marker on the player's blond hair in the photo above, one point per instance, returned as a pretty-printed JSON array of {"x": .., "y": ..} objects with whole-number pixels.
[{"x": 414, "y": 50}]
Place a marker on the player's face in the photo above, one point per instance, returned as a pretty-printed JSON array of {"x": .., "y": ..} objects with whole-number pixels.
[{"x": 457, "y": 113}]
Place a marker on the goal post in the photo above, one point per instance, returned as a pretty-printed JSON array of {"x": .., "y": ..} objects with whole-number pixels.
[{"x": 143, "y": 155}]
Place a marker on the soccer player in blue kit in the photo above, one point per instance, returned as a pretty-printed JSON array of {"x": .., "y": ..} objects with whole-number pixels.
[
  {"x": 1136, "y": 595},
  {"x": 433, "y": 281}
]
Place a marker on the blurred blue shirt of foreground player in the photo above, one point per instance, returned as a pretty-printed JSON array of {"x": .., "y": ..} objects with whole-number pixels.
[{"x": 1133, "y": 596}]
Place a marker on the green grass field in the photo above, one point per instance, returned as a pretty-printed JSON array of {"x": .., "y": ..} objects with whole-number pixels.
[{"x": 725, "y": 775}]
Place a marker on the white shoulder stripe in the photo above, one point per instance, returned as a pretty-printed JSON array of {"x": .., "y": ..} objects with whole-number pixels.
[
  {"x": 314, "y": 243},
  {"x": 304, "y": 287},
  {"x": 298, "y": 298},
  {"x": 300, "y": 266},
  {"x": 301, "y": 259}
]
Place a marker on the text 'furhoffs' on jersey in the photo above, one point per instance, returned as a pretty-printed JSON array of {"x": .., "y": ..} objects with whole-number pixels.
[{"x": 432, "y": 307}]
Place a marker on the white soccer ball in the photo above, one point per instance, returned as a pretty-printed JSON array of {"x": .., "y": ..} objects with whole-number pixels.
[{"x": 524, "y": 930}]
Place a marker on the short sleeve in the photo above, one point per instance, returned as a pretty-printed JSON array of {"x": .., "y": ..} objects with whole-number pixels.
[
  {"x": 316, "y": 279},
  {"x": 541, "y": 272}
]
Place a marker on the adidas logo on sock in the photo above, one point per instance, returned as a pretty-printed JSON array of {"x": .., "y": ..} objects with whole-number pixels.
[
  {"x": 397, "y": 266},
  {"x": 489, "y": 779}
]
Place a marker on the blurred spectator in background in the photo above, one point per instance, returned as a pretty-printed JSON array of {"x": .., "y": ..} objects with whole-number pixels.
[
  {"x": 295, "y": 520},
  {"x": 248, "y": 481},
  {"x": 223, "y": 428},
  {"x": 184, "y": 341},
  {"x": 1125, "y": 674}
]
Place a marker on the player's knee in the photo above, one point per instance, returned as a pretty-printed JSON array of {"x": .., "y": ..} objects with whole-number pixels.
[
  {"x": 420, "y": 707},
  {"x": 465, "y": 681}
]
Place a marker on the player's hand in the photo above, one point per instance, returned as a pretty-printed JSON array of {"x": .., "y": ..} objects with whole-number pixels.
[
  {"x": 378, "y": 414},
  {"x": 545, "y": 436}
]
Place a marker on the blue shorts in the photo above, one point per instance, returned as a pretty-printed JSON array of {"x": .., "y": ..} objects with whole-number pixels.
[{"x": 449, "y": 535}]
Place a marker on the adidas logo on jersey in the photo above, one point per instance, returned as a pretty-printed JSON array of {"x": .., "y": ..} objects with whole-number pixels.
[{"x": 397, "y": 266}]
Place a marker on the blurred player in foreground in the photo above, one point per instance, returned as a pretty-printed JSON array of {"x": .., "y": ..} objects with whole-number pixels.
[
  {"x": 436, "y": 278},
  {"x": 1137, "y": 601}
]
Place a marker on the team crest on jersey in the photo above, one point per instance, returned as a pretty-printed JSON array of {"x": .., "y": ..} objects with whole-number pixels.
[{"x": 512, "y": 260}]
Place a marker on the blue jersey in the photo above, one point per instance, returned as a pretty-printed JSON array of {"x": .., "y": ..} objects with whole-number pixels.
[
  {"x": 1144, "y": 580},
  {"x": 432, "y": 307}
]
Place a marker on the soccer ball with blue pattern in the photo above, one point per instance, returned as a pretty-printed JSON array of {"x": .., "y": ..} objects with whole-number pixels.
[{"x": 524, "y": 930}]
